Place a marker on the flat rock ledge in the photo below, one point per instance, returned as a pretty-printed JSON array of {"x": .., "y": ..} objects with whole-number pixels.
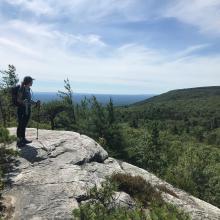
[{"x": 53, "y": 174}]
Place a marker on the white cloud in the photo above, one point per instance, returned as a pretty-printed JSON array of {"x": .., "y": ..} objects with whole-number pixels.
[
  {"x": 40, "y": 37},
  {"x": 50, "y": 55},
  {"x": 29, "y": 28},
  {"x": 87, "y": 10},
  {"x": 36, "y": 6},
  {"x": 16, "y": 46},
  {"x": 204, "y": 14},
  {"x": 134, "y": 67}
]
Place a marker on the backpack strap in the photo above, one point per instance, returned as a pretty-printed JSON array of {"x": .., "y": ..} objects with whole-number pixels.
[{"x": 22, "y": 90}]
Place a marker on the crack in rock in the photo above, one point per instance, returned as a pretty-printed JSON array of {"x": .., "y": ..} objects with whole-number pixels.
[{"x": 96, "y": 158}]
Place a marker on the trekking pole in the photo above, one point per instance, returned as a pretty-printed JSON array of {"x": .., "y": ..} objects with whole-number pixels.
[{"x": 38, "y": 119}]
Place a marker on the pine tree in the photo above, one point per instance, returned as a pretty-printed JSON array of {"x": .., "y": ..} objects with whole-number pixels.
[
  {"x": 150, "y": 150},
  {"x": 98, "y": 118},
  {"x": 8, "y": 79},
  {"x": 52, "y": 109},
  {"x": 67, "y": 97},
  {"x": 111, "y": 114}
]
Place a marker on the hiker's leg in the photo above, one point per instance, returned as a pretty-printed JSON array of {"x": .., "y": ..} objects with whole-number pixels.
[
  {"x": 25, "y": 123},
  {"x": 20, "y": 118}
]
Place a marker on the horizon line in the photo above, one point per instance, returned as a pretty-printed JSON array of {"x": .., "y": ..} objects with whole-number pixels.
[{"x": 99, "y": 93}]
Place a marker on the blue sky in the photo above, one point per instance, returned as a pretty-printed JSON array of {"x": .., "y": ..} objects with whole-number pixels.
[{"x": 112, "y": 46}]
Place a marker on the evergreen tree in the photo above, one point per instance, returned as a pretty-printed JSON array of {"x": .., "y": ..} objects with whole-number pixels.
[
  {"x": 98, "y": 118},
  {"x": 8, "y": 79},
  {"x": 111, "y": 114},
  {"x": 67, "y": 97},
  {"x": 155, "y": 134},
  {"x": 52, "y": 109},
  {"x": 149, "y": 154},
  {"x": 83, "y": 116}
]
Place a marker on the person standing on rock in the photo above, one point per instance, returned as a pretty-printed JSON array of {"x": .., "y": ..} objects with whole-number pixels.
[{"x": 25, "y": 101}]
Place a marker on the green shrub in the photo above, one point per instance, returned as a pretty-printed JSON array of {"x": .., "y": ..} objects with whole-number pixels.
[
  {"x": 100, "y": 203},
  {"x": 167, "y": 212},
  {"x": 5, "y": 137},
  {"x": 6, "y": 158},
  {"x": 100, "y": 206},
  {"x": 138, "y": 188}
]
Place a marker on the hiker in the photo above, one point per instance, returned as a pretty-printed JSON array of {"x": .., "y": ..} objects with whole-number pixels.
[{"x": 24, "y": 109}]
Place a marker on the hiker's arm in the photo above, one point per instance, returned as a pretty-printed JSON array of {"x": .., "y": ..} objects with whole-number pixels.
[
  {"x": 33, "y": 102},
  {"x": 37, "y": 103}
]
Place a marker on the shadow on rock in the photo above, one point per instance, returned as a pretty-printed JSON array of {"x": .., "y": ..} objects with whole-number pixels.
[
  {"x": 8, "y": 166},
  {"x": 29, "y": 153}
]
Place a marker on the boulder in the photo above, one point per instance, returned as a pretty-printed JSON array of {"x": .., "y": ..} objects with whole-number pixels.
[{"x": 53, "y": 174}]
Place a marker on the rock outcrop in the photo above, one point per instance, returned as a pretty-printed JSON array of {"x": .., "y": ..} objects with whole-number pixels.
[{"x": 53, "y": 174}]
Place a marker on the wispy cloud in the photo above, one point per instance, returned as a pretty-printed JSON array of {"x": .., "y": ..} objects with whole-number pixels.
[
  {"x": 41, "y": 36},
  {"x": 51, "y": 45},
  {"x": 131, "y": 65},
  {"x": 36, "y": 6},
  {"x": 16, "y": 46},
  {"x": 87, "y": 11},
  {"x": 204, "y": 14}
]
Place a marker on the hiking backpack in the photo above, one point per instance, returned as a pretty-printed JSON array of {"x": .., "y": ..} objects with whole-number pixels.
[{"x": 14, "y": 94}]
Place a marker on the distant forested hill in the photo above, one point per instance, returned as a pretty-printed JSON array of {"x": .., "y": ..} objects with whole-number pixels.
[
  {"x": 202, "y": 105},
  {"x": 177, "y": 136},
  {"x": 201, "y": 93}
]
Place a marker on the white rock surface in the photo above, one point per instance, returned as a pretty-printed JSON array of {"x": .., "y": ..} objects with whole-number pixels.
[{"x": 54, "y": 173}]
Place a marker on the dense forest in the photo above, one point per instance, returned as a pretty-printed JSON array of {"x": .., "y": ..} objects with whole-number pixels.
[{"x": 175, "y": 135}]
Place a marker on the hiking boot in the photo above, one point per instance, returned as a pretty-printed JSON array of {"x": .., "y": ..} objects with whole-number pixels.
[
  {"x": 25, "y": 141},
  {"x": 20, "y": 144}
]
